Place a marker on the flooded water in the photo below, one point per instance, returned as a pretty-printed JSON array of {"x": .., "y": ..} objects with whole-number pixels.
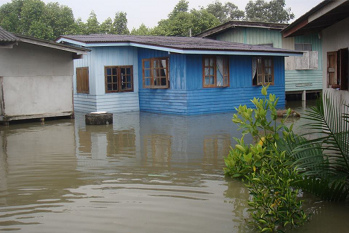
[{"x": 145, "y": 173}]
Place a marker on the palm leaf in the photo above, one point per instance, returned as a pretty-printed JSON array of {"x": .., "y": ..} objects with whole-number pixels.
[{"x": 322, "y": 154}]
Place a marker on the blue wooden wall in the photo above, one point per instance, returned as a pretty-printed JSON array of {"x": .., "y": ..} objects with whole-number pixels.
[{"x": 187, "y": 96}]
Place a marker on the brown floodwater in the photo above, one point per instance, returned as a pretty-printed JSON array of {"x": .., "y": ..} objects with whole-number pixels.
[{"x": 145, "y": 173}]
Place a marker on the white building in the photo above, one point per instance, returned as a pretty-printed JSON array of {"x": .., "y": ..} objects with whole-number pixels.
[{"x": 36, "y": 77}]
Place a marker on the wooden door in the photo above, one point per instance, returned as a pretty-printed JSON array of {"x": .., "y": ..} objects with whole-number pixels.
[{"x": 332, "y": 81}]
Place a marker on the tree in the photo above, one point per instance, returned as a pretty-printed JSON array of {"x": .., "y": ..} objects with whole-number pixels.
[
  {"x": 180, "y": 21},
  {"x": 225, "y": 13},
  {"x": 181, "y": 7},
  {"x": 107, "y": 26},
  {"x": 35, "y": 18},
  {"x": 141, "y": 31},
  {"x": 272, "y": 12},
  {"x": 59, "y": 18},
  {"x": 120, "y": 24},
  {"x": 92, "y": 24}
]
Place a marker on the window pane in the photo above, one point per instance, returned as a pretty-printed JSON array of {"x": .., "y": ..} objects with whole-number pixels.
[
  {"x": 115, "y": 79},
  {"x": 115, "y": 86},
  {"x": 146, "y": 64},
  {"x": 147, "y": 73},
  {"x": 114, "y": 71},
  {"x": 211, "y": 80},
  {"x": 109, "y": 87},
  {"x": 109, "y": 79},
  {"x": 108, "y": 71},
  {"x": 211, "y": 62}
]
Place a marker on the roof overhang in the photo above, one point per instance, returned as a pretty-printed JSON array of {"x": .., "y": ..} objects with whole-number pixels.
[
  {"x": 181, "y": 51},
  {"x": 323, "y": 15},
  {"x": 52, "y": 45}
]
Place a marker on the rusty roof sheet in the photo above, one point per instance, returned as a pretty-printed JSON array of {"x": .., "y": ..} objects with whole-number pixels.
[
  {"x": 181, "y": 43},
  {"x": 6, "y": 36}
]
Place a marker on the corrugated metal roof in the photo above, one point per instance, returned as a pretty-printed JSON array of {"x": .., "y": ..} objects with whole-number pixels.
[
  {"x": 6, "y": 36},
  {"x": 182, "y": 43},
  {"x": 234, "y": 24}
]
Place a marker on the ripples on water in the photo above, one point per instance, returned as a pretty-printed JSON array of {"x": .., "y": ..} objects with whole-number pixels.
[{"x": 145, "y": 173}]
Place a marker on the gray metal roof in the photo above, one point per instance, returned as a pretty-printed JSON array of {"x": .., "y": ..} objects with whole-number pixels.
[
  {"x": 6, "y": 36},
  {"x": 180, "y": 43},
  {"x": 244, "y": 24}
]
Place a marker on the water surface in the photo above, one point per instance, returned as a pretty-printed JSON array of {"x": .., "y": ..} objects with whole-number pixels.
[{"x": 145, "y": 173}]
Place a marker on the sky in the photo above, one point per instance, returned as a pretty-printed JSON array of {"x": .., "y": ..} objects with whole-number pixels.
[{"x": 150, "y": 12}]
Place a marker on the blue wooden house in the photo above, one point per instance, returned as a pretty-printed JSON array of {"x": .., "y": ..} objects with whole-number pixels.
[
  {"x": 302, "y": 74},
  {"x": 173, "y": 75}
]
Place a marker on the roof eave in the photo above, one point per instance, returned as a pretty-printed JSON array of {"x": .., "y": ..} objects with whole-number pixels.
[
  {"x": 182, "y": 50},
  {"x": 308, "y": 17},
  {"x": 52, "y": 45}
]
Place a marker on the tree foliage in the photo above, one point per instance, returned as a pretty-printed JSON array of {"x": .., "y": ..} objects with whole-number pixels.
[
  {"x": 274, "y": 11},
  {"x": 35, "y": 18},
  {"x": 226, "y": 12},
  {"x": 48, "y": 21},
  {"x": 182, "y": 22}
]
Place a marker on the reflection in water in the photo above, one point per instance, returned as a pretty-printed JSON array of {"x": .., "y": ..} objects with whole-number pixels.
[{"x": 145, "y": 173}]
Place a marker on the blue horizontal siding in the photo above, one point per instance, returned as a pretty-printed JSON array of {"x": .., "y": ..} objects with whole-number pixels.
[
  {"x": 163, "y": 101},
  {"x": 195, "y": 99},
  {"x": 227, "y": 99}
]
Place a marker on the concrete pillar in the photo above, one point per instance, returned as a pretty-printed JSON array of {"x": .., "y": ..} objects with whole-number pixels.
[{"x": 304, "y": 95}]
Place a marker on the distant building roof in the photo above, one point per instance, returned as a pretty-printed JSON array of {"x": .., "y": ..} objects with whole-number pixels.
[
  {"x": 185, "y": 45},
  {"x": 234, "y": 24},
  {"x": 323, "y": 15},
  {"x": 6, "y": 36}
]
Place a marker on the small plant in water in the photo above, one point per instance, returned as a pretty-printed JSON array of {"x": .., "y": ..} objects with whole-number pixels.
[{"x": 268, "y": 172}]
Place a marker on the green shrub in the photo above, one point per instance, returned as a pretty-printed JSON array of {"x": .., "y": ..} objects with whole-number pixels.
[{"x": 268, "y": 173}]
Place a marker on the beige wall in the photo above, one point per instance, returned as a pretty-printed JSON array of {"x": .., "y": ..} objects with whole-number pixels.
[
  {"x": 36, "y": 81},
  {"x": 334, "y": 38}
]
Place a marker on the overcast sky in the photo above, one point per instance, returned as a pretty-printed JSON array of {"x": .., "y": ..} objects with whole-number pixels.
[{"x": 150, "y": 12}]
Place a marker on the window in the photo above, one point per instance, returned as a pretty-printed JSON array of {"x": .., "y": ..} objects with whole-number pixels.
[
  {"x": 82, "y": 80},
  {"x": 118, "y": 79},
  {"x": 271, "y": 45},
  {"x": 155, "y": 73},
  {"x": 337, "y": 69},
  {"x": 303, "y": 47},
  {"x": 215, "y": 71},
  {"x": 262, "y": 71}
]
